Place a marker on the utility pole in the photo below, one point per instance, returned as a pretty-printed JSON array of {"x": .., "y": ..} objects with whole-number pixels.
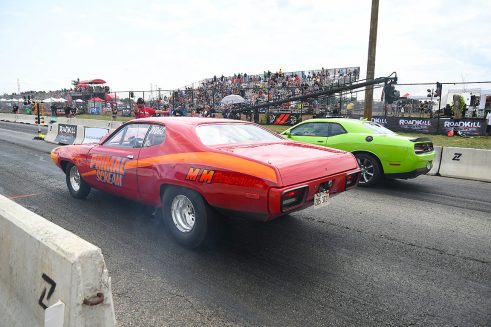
[{"x": 372, "y": 46}]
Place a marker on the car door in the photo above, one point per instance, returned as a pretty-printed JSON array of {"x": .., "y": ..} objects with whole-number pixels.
[
  {"x": 150, "y": 168},
  {"x": 337, "y": 137},
  {"x": 113, "y": 165},
  {"x": 313, "y": 132}
]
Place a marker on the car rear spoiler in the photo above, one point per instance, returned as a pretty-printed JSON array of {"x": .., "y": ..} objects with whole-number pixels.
[{"x": 421, "y": 139}]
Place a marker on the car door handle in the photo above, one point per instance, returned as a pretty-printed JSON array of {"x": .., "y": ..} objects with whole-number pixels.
[
  {"x": 320, "y": 141},
  {"x": 129, "y": 156}
]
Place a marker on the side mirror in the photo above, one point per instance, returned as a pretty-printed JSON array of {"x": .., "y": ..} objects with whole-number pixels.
[{"x": 288, "y": 134}]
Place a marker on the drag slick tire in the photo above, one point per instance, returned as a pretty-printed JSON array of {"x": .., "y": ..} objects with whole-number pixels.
[
  {"x": 370, "y": 169},
  {"x": 187, "y": 216},
  {"x": 77, "y": 187}
]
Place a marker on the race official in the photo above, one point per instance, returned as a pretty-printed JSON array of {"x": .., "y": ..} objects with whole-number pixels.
[{"x": 143, "y": 112}]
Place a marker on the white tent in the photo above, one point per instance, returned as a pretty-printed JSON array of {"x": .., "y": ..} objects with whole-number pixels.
[
  {"x": 59, "y": 100},
  {"x": 48, "y": 100},
  {"x": 79, "y": 100}
]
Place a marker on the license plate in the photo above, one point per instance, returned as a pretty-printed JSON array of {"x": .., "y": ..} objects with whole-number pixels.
[{"x": 321, "y": 199}]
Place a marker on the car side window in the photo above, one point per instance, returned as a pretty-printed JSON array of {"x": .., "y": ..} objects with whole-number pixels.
[
  {"x": 311, "y": 129},
  {"x": 131, "y": 136},
  {"x": 155, "y": 136},
  {"x": 336, "y": 129}
]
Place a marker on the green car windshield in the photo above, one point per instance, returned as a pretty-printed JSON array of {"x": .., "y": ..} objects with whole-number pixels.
[{"x": 379, "y": 129}]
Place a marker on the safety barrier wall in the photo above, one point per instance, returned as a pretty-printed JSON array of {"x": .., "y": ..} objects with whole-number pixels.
[
  {"x": 52, "y": 133},
  {"x": 465, "y": 163},
  {"x": 59, "y": 133},
  {"x": 42, "y": 264},
  {"x": 436, "y": 162},
  {"x": 24, "y": 119},
  {"x": 46, "y": 120}
]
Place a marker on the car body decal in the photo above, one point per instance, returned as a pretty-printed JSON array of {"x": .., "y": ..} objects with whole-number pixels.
[{"x": 207, "y": 159}]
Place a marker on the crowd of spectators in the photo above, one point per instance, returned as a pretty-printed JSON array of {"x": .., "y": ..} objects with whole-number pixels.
[
  {"x": 203, "y": 98},
  {"x": 207, "y": 94}
]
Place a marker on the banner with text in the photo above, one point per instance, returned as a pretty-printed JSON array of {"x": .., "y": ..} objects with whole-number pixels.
[
  {"x": 469, "y": 126},
  {"x": 66, "y": 134}
]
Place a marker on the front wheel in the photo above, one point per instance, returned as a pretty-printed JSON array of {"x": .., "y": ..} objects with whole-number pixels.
[
  {"x": 370, "y": 169},
  {"x": 77, "y": 187},
  {"x": 187, "y": 216}
]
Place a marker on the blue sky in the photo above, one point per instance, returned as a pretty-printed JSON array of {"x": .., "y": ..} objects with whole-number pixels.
[{"x": 136, "y": 45}]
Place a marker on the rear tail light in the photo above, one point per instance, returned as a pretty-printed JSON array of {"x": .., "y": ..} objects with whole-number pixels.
[
  {"x": 420, "y": 148},
  {"x": 293, "y": 198},
  {"x": 352, "y": 180}
]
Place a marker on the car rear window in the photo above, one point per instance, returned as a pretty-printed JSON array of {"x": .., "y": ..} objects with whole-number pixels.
[
  {"x": 211, "y": 134},
  {"x": 377, "y": 128}
]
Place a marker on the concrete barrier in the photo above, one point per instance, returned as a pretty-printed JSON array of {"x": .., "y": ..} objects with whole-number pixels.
[
  {"x": 52, "y": 133},
  {"x": 24, "y": 119},
  {"x": 8, "y": 117},
  {"x": 436, "y": 162},
  {"x": 465, "y": 163},
  {"x": 41, "y": 264}
]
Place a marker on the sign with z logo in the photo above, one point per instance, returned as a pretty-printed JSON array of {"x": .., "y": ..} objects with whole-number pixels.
[{"x": 456, "y": 156}]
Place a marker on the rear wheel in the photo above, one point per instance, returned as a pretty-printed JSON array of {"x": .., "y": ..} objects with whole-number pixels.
[
  {"x": 77, "y": 187},
  {"x": 370, "y": 169},
  {"x": 187, "y": 216}
]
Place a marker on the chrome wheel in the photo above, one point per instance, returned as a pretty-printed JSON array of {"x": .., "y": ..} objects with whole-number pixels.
[
  {"x": 367, "y": 170},
  {"x": 74, "y": 179},
  {"x": 183, "y": 213}
]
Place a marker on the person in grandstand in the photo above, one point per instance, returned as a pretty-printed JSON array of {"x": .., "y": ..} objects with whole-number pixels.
[{"x": 143, "y": 112}]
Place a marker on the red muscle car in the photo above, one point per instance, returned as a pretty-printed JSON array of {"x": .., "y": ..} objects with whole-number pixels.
[{"x": 194, "y": 167}]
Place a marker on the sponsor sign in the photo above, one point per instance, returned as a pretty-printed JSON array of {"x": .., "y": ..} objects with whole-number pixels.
[
  {"x": 380, "y": 120},
  {"x": 419, "y": 125},
  {"x": 283, "y": 119},
  {"x": 94, "y": 134},
  {"x": 473, "y": 127},
  {"x": 66, "y": 134}
]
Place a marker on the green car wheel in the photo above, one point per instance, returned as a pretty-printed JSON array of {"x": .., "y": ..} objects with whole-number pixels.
[{"x": 370, "y": 169}]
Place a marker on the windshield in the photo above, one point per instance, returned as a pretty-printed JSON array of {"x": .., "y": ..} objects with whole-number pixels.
[
  {"x": 211, "y": 134},
  {"x": 379, "y": 129}
]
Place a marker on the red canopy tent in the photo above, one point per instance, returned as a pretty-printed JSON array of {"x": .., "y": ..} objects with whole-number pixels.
[
  {"x": 109, "y": 97},
  {"x": 93, "y": 81},
  {"x": 96, "y": 99}
]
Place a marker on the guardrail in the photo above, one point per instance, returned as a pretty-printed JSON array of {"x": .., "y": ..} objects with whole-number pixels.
[{"x": 48, "y": 275}]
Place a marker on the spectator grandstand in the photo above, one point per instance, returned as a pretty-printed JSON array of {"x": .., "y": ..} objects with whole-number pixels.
[{"x": 261, "y": 87}]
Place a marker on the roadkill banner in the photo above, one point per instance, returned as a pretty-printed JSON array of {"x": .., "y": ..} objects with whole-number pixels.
[
  {"x": 66, "y": 134},
  {"x": 468, "y": 126}
]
